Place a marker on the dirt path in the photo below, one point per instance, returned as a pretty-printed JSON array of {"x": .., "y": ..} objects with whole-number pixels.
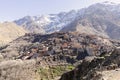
[{"x": 111, "y": 75}]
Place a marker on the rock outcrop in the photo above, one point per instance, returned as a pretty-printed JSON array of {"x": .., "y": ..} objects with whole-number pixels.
[{"x": 95, "y": 69}]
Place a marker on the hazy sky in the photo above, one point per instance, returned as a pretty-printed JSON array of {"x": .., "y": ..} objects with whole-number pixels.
[{"x": 15, "y": 9}]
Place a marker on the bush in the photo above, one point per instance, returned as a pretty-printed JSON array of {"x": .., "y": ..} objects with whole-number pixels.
[{"x": 52, "y": 72}]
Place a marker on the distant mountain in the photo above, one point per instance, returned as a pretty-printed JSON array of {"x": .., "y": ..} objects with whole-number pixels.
[
  {"x": 47, "y": 23},
  {"x": 101, "y": 19},
  {"x": 10, "y": 31}
]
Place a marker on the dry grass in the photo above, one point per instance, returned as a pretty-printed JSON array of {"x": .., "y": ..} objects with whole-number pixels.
[{"x": 18, "y": 70}]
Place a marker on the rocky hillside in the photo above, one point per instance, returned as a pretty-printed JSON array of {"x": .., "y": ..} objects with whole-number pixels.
[
  {"x": 10, "y": 31},
  {"x": 105, "y": 67}
]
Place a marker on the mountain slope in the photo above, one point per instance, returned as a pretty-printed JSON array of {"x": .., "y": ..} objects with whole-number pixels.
[
  {"x": 98, "y": 19},
  {"x": 10, "y": 31}
]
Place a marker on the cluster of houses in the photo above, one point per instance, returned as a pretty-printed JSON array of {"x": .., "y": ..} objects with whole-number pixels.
[{"x": 65, "y": 44}]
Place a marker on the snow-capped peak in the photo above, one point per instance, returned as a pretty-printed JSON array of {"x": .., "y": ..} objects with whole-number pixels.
[
  {"x": 55, "y": 22},
  {"x": 109, "y": 3}
]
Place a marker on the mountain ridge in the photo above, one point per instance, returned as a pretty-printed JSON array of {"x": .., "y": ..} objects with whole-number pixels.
[{"x": 100, "y": 19}]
